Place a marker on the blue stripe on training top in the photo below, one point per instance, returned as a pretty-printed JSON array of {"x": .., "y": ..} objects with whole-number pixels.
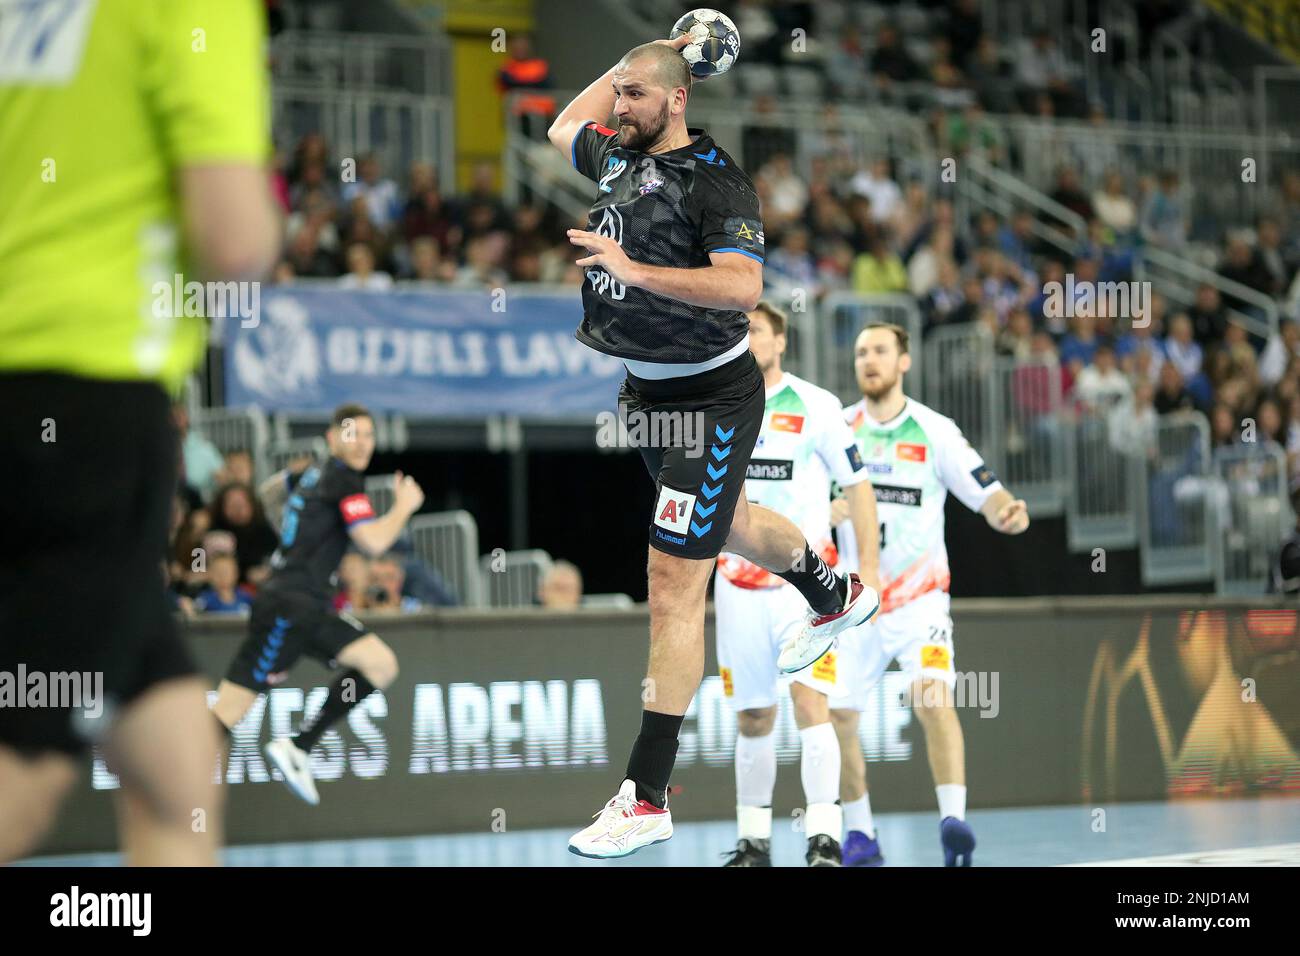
[{"x": 743, "y": 252}]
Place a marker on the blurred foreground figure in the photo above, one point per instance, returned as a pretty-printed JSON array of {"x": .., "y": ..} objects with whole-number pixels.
[{"x": 128, "y": 136}]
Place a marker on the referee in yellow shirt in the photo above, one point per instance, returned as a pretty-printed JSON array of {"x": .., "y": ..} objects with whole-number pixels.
[{"x": 133, "y": 149}]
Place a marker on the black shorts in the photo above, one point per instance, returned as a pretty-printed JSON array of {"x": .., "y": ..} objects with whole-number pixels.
[
  {"x": 282, "y": 627},
  {"x": 87, "y": 477},
  {"x": 696, "y": 435}
]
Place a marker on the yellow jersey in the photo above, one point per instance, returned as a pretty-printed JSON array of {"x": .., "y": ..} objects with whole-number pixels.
[{"x": 102, "y": 103}]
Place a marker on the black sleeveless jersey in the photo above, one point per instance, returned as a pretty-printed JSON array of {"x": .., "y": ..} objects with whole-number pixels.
[
  {"x": 665, "y": 209},
  {"x": 325, "y": 502}
]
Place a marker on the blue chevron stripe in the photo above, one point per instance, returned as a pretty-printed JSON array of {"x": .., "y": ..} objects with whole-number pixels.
[
  {"x": 724, "y": 436},
  {"x": 709, "y": 492},
  {"x": 705, "y": 510},
  {"x": 716, "y": 473},
  {"x": 699, "y": 531},
  {"x": 720, "y": 453}
]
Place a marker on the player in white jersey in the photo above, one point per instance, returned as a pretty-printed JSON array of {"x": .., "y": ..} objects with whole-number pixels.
[
  {"x": 803, "y": 444},
  {"x": 915, "y": 458}
]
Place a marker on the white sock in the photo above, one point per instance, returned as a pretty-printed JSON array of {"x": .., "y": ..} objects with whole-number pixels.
[
  {"x": 819, "y": 764},
  {"x": 753, "y": 823},
  {"x": 952, "y": 800},
  {"x": 857, "y": 816},
  {"x": 755, "y": 781},
  {"x": 823, "y": 818}
]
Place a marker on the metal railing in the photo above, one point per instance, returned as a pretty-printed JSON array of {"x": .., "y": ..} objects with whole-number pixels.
[
  {"x": 1209, "y": 162},
  {"x": 401, "y": 127},
  {"x": 1177, "y": 277},
  {"x": 962, "y": 360},
  {"x": 1102, "y": 505},
  {"x": 419, "y": 64},
  {"x": 1254, "y": 515},
  {"x": 234, "y": 429},
  {"x": 985, "y": 186},
  {"x": 286, "y": 427},
  {"x": 865, "y": 134},
  {"x": 379, "y": 489},
  {"x": 1008, "y": 409},
  {"x": 1175, "y": 503},
  {"x": 512, "y": 578},
  {"x": 835, "y": 326},
  {"x": 537, "y": 171},
  {"x": 1027, "y": 444},
  {"x": 448, "y": 542}
]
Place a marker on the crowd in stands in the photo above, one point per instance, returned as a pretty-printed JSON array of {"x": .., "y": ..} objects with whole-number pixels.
[
  {"x": 366, "y": 231},
  {"x": 873, "y": 235},
  {"x": 832, "y": 224},
  {"x": 838, "y": 227}
]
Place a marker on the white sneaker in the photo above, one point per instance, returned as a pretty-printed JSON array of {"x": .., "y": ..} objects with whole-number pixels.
[
  {"x": 623, "y": 827},
  {"x": 295, "y": 765},
  {"x": 820, "y": 632}
]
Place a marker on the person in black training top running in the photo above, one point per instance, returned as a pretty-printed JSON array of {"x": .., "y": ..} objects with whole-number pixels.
[
  {"x": 326, "y": 509},
  {"x": 674, "y": 258}
]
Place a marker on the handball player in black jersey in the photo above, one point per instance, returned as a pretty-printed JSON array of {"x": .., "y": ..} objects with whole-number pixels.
[
  {"x": 673, "y": 259},
  {"x": 325, "y": 508}
]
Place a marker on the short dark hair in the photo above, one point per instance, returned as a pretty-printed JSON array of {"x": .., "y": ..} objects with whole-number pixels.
[
  {"x": 670, "y": 68},
  {"x": 348, "y": 410},
  {"x": 900, "y": 333},
  {"x": 775, "y": 317}
]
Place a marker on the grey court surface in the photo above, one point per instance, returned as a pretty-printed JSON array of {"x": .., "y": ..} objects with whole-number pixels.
[{"x": 1238, "y": 832}]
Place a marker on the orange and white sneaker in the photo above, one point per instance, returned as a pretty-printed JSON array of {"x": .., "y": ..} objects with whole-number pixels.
[
  {"x": 623, "y": 827},
  {"x": 819, "y": 634}
]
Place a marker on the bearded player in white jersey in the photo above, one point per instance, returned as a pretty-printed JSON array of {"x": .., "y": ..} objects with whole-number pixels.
[
  {"x": 915, "y": 458},
  {"x": 804, "y": 443}
]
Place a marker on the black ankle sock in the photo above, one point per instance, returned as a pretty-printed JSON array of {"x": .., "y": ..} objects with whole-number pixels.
[
  {"x": 653, "y": 755},
  {"x": 335, "y": 706},
  {"x": 822, "y": 588}
]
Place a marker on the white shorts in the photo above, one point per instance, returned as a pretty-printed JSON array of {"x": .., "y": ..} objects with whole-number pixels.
[
  {"x": 918, "y": 635},
  {"x": 752, "y": 624}
]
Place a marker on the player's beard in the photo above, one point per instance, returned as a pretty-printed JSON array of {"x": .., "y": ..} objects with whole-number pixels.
[
  {"x": 644, "y": 135},
  {"x": 880, "y": 387}
]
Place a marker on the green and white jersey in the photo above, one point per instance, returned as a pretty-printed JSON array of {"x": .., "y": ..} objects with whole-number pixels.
[
  {"x": 803, "y": 445},
  {"x": 914, "y": 460}
]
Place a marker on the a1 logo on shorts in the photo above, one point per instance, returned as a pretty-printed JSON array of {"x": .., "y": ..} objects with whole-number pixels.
[{"x": 674, "y": 509}]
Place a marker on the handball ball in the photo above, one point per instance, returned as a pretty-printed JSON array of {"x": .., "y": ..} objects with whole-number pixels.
[{"x": 715, "y": 42}]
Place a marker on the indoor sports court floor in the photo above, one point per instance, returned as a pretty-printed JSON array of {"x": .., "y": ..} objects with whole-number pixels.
[{"x": 1242, "y": 832}]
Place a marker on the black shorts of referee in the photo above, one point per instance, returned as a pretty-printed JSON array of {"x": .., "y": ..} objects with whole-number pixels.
[
  {"x": 700, "y": 475},
  {"x": 88, "y": 473}
]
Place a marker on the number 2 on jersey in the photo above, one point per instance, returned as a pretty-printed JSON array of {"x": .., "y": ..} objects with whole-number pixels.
[{"x": 615, "y": 167}]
